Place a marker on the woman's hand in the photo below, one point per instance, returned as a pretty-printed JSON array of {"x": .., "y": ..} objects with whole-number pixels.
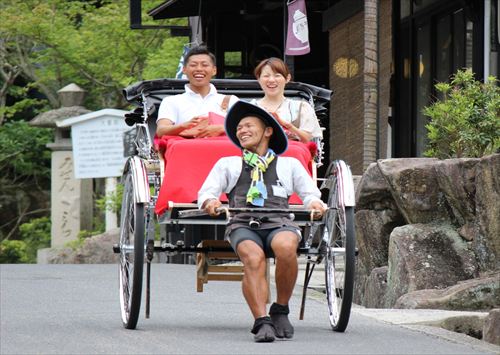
[{"x": 284, "y": 124}]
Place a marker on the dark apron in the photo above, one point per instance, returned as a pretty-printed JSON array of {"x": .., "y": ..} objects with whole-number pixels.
[{"x": 238, "y": 195}]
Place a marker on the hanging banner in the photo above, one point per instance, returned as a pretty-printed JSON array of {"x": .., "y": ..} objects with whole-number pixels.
[{"x": 297, "y": 39}]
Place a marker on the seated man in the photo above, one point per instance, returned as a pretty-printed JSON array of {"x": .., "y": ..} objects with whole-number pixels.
[
  {"x": 179, "y": 114},
  {"x": 261, "y": 179}
]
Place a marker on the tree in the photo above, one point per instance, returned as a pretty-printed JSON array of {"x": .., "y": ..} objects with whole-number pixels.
[
  {"x": 44, "y": 46},
  {"x": 51, "y": 43},
  {"x": 25, "y": 178}
]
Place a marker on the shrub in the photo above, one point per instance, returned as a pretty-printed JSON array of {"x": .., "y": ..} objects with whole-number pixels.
[
  {"x": 13, "y": 252},
  {"x": 465, "y": 122},
  {"x": 36, "y": 235}
]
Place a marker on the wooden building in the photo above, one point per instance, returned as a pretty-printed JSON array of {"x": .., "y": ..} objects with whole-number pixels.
[{"x": 381, "y": 58}]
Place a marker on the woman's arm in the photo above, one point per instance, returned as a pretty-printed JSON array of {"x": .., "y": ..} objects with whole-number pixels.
[
  {"x": 302, "y": 135},
  {"x": 300, "y": 115},
  {"x": 308, "y": 121}
]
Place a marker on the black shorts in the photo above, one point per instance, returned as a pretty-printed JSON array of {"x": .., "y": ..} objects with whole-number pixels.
[{"x": 263, "y": 237}]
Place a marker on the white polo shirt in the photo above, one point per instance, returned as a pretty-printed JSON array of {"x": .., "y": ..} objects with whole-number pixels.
[{"x": 183, "y": 107}]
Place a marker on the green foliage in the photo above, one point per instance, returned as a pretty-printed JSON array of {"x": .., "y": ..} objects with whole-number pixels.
[
  {"x": 56, "y": 42},
  {"x": 13, "y": 252},
  {"x": 36, "y": 235},
  {"x": 111, "y": 202},
  {"x": 466, "y": 121},
  {"x": 23, "y": 152},
  {"x": 163, "y": 62},
  {"x": 81, "y": 238},
  {"x": 48, "y": 44}
]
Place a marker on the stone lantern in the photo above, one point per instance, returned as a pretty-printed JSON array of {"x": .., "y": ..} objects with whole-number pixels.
[{"x": 71, "y": 199}]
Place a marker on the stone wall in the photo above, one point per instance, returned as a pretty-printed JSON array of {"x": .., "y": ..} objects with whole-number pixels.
[{"x": 428, "y": 234}]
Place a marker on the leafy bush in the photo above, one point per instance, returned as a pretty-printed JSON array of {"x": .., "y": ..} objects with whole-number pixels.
[
  {"x": 13, "y": 252},
  {"x": 36, "y": 235},
  {"x": 82, "y": 236},
  {"x": 465, "y": 122},
  {"x": 111, "y": 202}
]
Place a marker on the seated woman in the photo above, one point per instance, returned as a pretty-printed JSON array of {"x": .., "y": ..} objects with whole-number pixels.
[{"x": 297, "y": 117}]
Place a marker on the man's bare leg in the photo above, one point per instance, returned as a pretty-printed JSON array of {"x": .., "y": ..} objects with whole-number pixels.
[
  {"x": 254, "y": 285},
  {"x": 255, "y": 289},
  {"x": 284, "y": 245}
]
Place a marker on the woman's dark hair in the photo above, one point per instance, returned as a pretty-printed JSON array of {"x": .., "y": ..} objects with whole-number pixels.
[
  {"x": 199, "y": 50},
  {"x": 276, "y": 64}
]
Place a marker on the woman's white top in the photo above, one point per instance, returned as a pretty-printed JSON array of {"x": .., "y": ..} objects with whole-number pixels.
[{"x": 300, "y": 113}]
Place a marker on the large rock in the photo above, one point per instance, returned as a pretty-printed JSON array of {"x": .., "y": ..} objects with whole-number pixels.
[
  {"x": 471, "y": 325},
  {"x": 456, "y": 178},
  {"x": 373, "y": 190},
  {"x": 450, "y": 212},
  {"x": 373, "y": 228},
  {"x": 491, "y": 328},
  {"x": 475, "y": 294},
  {"x": 487, "y": 241},
  {"x": 376, "y": 288},
  {"x": 95, "y": 250},
  {"x": 377, "y": 214},
  {"x": 360, "y": 277},
  {"x": 423, "y": 256},
  {"x": 415, "y": 189}
]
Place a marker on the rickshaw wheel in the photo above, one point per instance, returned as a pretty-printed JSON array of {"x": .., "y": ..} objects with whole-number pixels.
[
  {"x": 132, "y": 230},
  {"x": 339, "y": 255}
]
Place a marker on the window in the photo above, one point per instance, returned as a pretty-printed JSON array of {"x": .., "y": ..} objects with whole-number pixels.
[
  {"x": 432, "y": 45},
  {"x": 232, "y": 64}
]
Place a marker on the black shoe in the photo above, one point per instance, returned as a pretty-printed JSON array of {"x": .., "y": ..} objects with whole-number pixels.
[
  {"x": 279, "y": 317},
  {"x": 264, "y": 331}
]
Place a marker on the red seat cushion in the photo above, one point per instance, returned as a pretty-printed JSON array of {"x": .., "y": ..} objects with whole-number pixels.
[{"x": 188, "y": 162}]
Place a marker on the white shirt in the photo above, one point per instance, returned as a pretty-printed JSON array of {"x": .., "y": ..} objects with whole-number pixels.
[
  {"x": 300, "y": 113},
  {"x": 183, "y": 107},
  {"x": 293, "y": 176}
]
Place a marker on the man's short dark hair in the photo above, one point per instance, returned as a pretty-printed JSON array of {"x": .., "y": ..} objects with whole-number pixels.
[{"x": 199, "y": 50}]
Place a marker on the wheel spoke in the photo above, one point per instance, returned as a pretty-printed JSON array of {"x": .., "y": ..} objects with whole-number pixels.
[
  {"x": 131, "y": 255},
  {"x": 339, "y": 238}
]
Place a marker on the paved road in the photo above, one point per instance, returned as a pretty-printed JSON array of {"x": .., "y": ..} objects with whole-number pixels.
[{"x": 73, "y": 309}]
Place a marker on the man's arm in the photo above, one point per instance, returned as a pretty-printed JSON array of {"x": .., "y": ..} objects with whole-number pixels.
[
  {"x": 217, "y": 130},
  {"x": 306, "y": 188},
  {"x": 165, "y": 127},
  {"x": 221, "y": 178},
  {"x": 211, "y": 131},
  {"x": 214, "y": 185},
  {"x": 210, "y": 206}
]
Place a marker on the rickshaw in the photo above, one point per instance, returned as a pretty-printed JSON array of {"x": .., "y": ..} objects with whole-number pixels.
[{"x": 146, "y": 175}]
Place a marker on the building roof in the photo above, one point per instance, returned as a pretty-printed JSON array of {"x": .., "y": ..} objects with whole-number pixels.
[
  {"x": 49, "y": 119},
  {"x": 107, "y": 112},
  {"x": 185, "y": 8}
]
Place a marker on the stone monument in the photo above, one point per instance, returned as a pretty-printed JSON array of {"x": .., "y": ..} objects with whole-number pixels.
[
  {"x": 71, "y": 199},
  {"x": 97, "y": 139}
]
